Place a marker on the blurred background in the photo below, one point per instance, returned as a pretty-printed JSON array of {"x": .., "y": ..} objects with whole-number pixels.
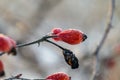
[{"x": 29, "y": 20}]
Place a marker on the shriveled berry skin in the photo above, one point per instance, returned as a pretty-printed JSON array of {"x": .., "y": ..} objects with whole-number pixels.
[
  {"x": 2, "y": 73},
  {"x": 71, "y": 36},
  {"x": 7, "y": 45},
  {"x": 58, "y": 76},
  {"x": 70, "y": 59},
  {"x": 55, "y": 31}
]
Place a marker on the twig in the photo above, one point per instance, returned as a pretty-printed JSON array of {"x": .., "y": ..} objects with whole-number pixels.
[
  {"x": 69, "y": 57},
  {"x": 36, "y": 41},
  {"x": 97, "y": 75},
  {"x": 31, "y": 43},
  {"x": 55, "y": 44},
  {"x": 109, "y": 26},
  {"x": 20, "y": 78}
]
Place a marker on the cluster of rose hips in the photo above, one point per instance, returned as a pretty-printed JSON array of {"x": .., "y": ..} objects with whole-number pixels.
[{"x": 70, "y": 36}]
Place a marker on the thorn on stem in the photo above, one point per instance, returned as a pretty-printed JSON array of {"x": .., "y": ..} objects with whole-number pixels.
[
  {"x": 38, "y": 44},
  {"x": 18, "y": 76}
]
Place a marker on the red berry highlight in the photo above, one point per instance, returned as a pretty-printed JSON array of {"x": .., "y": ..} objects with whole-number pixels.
[
  {"x": 117, "y": 49},
  {"x": 6, "y": 44},
  {"x": 2, "y": 73},
  {"x": 58, "y": 76},
  {"x": 110, "y": 63},
  {"x": 55, "y": 31}
]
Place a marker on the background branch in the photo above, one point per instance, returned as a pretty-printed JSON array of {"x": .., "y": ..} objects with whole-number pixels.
[{"x": 97, "y": 74}]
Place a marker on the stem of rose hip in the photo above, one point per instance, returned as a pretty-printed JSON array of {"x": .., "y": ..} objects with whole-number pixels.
[
  {"x": 37, "y": 41},
  {"x": 55, "y": 44},
  {"x": 33, "y": 42},
  {"x": 64, "y": 49},
  {"x": 69, "y": 57}
]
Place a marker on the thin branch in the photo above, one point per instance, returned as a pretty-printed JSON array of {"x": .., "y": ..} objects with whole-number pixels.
[
  {"x": 31, "y": 43},
  {"x": 2, "y": 53},
  {"x": 97, "y": 74},
  {"x": 55, "y": 44},
  {"x": 109, "y": 26},
  {"x": 36, "y": 41},
  {"x": 20, "y": 78}
]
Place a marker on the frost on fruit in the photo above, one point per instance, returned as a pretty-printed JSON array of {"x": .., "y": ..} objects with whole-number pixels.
[{"x": 70, "y": 36}]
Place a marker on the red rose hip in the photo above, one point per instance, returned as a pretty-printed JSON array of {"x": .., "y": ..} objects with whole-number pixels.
[
  {"x": 58, "y": 76},
  {"x": 55, "y": 31},
  {"x": 72, "y": 36},
  {"x": 7, "y": 45}
]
